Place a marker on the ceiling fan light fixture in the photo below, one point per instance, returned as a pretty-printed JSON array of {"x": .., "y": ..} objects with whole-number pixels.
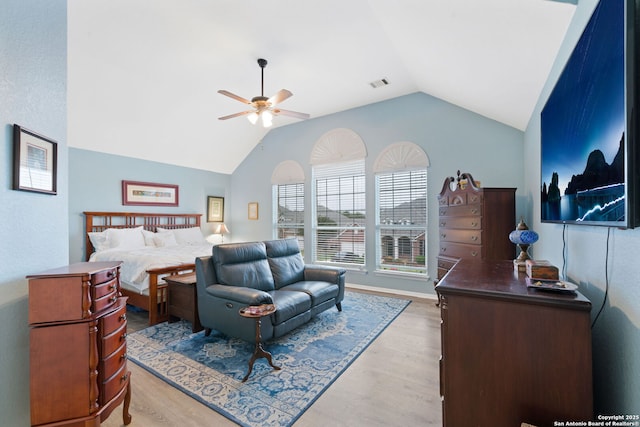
[
  {"x": 253, "y": 118},
  {"x": 267, "y": 118},
  {"x": 263, "y": 106}
]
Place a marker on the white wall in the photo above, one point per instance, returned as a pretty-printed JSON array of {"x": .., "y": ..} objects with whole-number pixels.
[
  {"x": 33, "y": 230},
  {"x": 453, "y": 138},
  {"x": 616, "y": 337}
]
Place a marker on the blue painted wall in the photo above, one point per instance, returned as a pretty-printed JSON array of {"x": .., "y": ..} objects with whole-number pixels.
[
  {"x": 452, "y": 137},
  {"x": 616, "y": 335},
  {"x": 95, "y": 182},
  {"x": 34, "y": 227}
]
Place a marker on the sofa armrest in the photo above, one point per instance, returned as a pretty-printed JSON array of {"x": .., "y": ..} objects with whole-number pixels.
[
  {"x": 240, "y": 294},
  {"x": 324, "y": 273}
]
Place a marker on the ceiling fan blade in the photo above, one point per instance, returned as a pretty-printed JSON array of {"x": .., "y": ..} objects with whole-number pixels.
[
  {"x": 231, "y": 116},
  {"x": 234, "y": 96},
  {"x": 289, "y": 113},
  {"x": 282, "y": 95}
]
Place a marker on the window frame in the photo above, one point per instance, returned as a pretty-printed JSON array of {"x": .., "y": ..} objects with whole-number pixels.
[{"x": 401, "y": 229}]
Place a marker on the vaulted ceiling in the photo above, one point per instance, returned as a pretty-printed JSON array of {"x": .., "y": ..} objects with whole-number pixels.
[{"x": 144, "y": 75}]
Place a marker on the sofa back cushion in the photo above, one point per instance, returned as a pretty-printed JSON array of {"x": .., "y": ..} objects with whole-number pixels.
[
  {"x": 243, "y": 264},
  {"x": 285, "y": 260}
]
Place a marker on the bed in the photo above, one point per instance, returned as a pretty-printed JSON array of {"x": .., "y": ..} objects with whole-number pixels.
[{"x": 144, "y": 266}]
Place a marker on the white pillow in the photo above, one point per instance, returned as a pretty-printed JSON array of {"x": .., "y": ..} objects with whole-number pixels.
[
  {"x": 164, "y": 239},
  {"x": 148, "y": 237},
  {"x": 125, "y": 238},
  {"x": 99, "y": 240},
  {"x": 187, "y": 236}
]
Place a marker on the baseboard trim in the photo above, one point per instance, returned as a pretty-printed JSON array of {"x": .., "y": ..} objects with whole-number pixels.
[{"x": 392, "y": 291}]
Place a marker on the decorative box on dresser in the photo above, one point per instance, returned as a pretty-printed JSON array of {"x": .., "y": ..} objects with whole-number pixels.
[
  {"x": 474, "y": 222},
  {"x": 78, "y": 351},
  {"x": 511, "y": 354}
]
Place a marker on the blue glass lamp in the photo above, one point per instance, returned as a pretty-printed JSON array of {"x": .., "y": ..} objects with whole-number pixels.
[{"x": 523, "y": 237}]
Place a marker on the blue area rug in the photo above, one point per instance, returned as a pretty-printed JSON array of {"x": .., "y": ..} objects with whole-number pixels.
[{"x": 210, "y": 369}]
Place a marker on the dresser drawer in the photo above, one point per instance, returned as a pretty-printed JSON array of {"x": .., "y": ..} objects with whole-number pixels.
[
  {"x": 104, "y": 302},
  {"x": 460, "y": 250},
  {"x": 115, "y": 319},
  {"x": 112, "y": 342},
  {"x": 103, "y": 289},
  {"x": 104, "y": 276},
  {"x": 113, "y": 362},
  {"x": 446, "y": 262},
  {"x": 460, "y": 199},
  {"x": 462, "y": 222},
  {"x": 112, "y": 385},
  {"x": 465, "y": 210},
  {"x": 473, "y": 237}
]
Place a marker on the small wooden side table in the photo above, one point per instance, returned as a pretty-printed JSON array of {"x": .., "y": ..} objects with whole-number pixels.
[
  {"x": 258, "y": 312},
  {"x": 182, "y": 299}
]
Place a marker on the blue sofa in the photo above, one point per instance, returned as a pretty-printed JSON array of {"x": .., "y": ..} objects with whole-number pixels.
[{"x": 237, "y": 275}]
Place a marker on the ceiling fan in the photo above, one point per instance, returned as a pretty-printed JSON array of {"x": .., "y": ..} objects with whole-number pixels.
[{"x": 262, "y": 106}]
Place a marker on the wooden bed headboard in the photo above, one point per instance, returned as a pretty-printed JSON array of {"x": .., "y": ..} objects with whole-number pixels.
[{"x": 100, "y": 221}]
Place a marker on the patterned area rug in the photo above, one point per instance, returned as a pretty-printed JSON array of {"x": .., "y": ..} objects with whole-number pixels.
[{"x": 210, "y": 369}]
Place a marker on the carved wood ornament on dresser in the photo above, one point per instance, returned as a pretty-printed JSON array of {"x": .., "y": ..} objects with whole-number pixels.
[
  {"x": 474, "y": 222},
  {"x": 78, "y": 348}
]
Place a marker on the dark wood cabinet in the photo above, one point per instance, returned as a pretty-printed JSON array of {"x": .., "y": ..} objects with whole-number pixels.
[
  {"x": 474, "y": 223},
  {"x": 511, "y": 354},
  {"x": 78, "y": 351}
]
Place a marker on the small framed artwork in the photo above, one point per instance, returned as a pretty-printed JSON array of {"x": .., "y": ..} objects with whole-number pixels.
[
  {"x": 137, "y": 193},
  {"x": 215, "y": 209},
  {"x": 253, "y": 210},
  {"x": 35, "y": 162}
]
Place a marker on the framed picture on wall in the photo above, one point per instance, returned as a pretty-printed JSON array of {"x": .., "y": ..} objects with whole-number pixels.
[
  {"x": 253, "y": 210},
  {"x": 215, "y": 209},
  {"x": 149, "y": 194},
  {"x": 35, "y": 162}
]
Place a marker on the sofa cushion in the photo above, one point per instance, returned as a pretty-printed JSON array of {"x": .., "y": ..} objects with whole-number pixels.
[
  {"x": 318, "y": 291},
  {"x": 243, "y": 264},
  {"x": 289, "y": 304},
  {"x": 285, "y": 260}
]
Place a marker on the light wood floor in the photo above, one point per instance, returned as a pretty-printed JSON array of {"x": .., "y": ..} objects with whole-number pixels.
[{"x": 394, "y": 382}]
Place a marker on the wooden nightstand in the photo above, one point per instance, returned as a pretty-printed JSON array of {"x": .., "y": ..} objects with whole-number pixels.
[{"x": 182, "y": 299}]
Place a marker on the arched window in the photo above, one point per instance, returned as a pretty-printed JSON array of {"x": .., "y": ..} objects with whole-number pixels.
[
  {"x": 339, "y": 208},
  {"x": 401, "y": 205}
]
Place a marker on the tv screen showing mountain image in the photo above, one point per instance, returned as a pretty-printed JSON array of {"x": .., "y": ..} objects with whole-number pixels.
[{"x": 587, "y": 146}]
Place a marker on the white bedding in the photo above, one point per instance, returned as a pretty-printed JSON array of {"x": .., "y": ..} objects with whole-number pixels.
[{"x": 136, "y": 262}]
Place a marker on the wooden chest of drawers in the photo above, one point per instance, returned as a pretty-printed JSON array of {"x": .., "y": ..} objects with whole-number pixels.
[
  {"x": 511, "y": 354},
  {"x": 78, "y": 329},
  {"x": 474, "y": 223}
]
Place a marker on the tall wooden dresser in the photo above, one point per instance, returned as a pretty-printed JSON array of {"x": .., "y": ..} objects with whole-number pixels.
[
  {"x": 78, "y": 351},
  {"x": 511, "y": 354},
  {"x": 474, "y": 223}
]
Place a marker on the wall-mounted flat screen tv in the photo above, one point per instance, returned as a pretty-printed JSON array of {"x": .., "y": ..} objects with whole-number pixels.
[{"x": 588, "y": 126}]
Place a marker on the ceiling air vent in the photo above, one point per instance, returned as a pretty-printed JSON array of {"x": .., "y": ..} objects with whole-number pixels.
[{"x": 379, "y": 83}]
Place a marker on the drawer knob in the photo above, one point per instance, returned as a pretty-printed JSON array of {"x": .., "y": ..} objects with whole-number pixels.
[
  {"x": 443, "y": 236},
  {"x": 124, "y": 356},
  {"x": 110, "y": 274},
  {"x": 443, "y": 249},
  {"x": 123, "y": 337},
  {"x": 442, "y": 224},
  {"x": 124, "y": 378},
  {"x": 474, "y": 238},
  {"x": 474, "y": 211},
  {"x": 474, "y": 253},
  {"x": 473, "y": 224},
  {"x": 123, "y": 317},
  {"x": 112, "y": 287}
]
